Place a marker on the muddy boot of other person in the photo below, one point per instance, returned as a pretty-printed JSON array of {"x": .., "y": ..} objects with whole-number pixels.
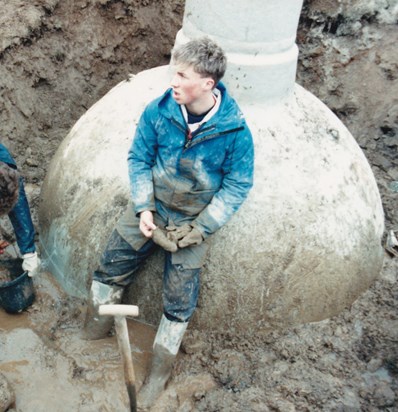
[
  {"x": 96, "y": 326},
  {"x": 165, "y": 348}
]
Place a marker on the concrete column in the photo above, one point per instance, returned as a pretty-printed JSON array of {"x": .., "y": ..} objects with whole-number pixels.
[{"x": 259, "y": 39}]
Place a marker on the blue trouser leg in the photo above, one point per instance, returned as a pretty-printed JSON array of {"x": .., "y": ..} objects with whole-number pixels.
[
  {"x": 120, "y": 261},
  {"x": 180, "y": 291}
]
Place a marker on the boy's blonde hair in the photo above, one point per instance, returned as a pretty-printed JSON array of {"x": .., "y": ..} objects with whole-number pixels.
[{"x": 205, "y": 56}]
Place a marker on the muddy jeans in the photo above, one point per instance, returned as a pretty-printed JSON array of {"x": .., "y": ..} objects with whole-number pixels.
[{"x": 120, "y": 261}]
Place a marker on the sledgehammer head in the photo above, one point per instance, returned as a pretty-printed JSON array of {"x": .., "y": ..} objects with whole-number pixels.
[{"x": 118, "y": 310}]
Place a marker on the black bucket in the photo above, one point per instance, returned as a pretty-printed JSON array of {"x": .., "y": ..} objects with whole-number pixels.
[{"x": 18, "y": 293}]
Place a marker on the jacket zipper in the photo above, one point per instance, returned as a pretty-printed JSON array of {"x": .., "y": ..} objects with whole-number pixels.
[
  {"x": 189, "y": 142},
  {"x": 189, "y": 137}
]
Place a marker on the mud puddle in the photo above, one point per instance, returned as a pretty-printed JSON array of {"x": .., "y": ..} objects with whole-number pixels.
[{"x": 51, "y": 368}]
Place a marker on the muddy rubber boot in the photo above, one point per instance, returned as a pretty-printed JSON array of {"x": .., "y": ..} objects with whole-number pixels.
[
  {"x": 165, "y": 348},
  {"x": 96, "y": 326}
]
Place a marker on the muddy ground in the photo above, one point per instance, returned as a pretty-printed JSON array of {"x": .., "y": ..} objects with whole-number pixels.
[{"x": 57, "y": 59}]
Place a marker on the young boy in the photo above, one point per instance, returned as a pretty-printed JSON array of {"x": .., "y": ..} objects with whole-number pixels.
[{"x": 190, "y": 168}]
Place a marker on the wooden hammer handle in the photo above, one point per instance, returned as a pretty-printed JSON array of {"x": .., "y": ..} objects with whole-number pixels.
[{"x": 118, "y": 310}]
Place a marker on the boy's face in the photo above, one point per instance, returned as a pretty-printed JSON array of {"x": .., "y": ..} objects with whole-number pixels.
[{"x": 188, "y": 86}]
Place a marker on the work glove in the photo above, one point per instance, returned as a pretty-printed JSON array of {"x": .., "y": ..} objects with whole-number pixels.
[
  {"x": 175, "y": 233},
  {"x": 194, "y": 237},
  {"x": 161, "y": 239},
  {"x": 31, "y": 263}
]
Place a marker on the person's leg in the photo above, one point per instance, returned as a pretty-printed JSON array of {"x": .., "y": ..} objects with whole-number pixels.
[
  {"x": 181, "y": 291},
  {"x": 117, "y": 266},
  {"x": 120, "y": 261}
]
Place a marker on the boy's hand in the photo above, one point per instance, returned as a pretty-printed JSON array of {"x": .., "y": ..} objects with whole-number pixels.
[{"x": 146, "y": 223}]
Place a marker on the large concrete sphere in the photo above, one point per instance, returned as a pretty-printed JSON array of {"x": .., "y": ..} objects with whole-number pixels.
[{"x": 304, "y": 245}]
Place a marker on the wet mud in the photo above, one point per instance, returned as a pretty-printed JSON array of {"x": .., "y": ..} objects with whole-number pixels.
[{"x": 48, "y": 364}]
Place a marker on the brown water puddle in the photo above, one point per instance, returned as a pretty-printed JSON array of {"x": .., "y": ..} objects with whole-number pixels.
[
  {"x": 49, "y": 365},
  {"x": 9, "y": 321}
]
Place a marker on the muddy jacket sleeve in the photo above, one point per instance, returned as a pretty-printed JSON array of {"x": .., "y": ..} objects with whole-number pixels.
[
  {"x": 21, "y": 221},
  {"x": 141, "y": 158},
  {"x": 20, "y": 216},
  {"x": 237, "y": 182}
]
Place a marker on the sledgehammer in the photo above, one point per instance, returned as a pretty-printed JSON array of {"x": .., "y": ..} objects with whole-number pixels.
[{"x": 120, "y": 312}]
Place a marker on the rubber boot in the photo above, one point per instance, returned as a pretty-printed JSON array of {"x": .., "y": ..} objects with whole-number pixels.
[
  {"x": 165, "y": 348},
  {"x": 96, "y": 326}
]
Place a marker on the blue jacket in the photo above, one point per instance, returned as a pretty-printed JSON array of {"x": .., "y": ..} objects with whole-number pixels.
[
  {"x": 20, "y": 215},
  {"x": 206, "y": 178}
]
